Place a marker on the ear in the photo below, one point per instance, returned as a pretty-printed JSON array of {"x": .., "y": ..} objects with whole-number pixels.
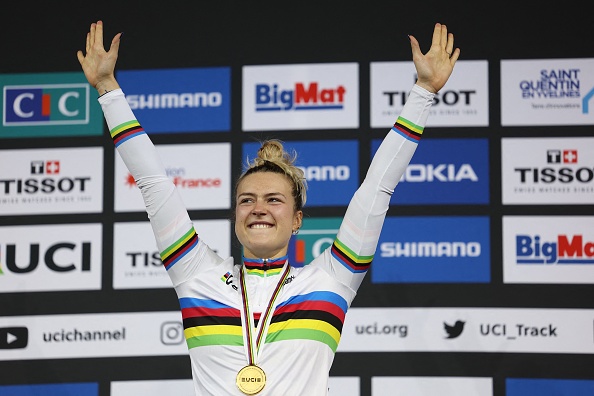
[{"x": 297, "y": 220}]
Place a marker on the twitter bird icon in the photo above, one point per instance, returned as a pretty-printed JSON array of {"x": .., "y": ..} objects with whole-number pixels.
[{"x": 455, "y": 330}]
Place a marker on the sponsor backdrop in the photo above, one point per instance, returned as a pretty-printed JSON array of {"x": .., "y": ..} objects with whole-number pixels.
[{"x": 483, "y": 279}]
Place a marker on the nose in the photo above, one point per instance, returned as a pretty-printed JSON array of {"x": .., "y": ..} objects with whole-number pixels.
[{"x": 259, "y": 208}]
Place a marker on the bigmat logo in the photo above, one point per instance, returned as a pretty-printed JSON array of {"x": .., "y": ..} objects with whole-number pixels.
[
  {"x": 445, "y": 171},
  {"x": 46, "y": 105},
  {"x": 463, "y": 101},
  {"x": 548, "y": 387},
  {"x": 548, "y": 249},
  {"x": 308, "y": 96},
  {"x": 433, "y": 250},
  {"x": 48, "y": 181},
  {"x": 331, "y": 169},
  {"x": 201, "y": 172},
  {"x": 547, "y": 170},
  {"x": 50, "y": 257},
  {"x": 179, "y": 100},
  {"x": 314, "y": 237},
  {"x": 547, "y": 92}
]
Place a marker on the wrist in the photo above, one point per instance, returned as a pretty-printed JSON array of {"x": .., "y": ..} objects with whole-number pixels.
[
  {"x": 426, "y": 86},
  {"x": 104, "y": 87}
]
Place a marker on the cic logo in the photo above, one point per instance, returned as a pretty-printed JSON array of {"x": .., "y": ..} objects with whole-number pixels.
[{"x": 46, "y": 104}]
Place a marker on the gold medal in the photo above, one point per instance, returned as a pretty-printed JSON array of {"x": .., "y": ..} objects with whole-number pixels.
[{"x": 251, "y": 379}]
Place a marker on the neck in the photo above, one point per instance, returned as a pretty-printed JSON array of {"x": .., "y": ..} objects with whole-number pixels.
[{"x": 264, "y": 264}]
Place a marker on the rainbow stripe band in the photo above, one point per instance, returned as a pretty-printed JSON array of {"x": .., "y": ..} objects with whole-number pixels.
[
  {"x": 179, "y": 248},
  {"x": 316, "y": 316},
  {"x": 408, "y": 130},
  {"x": 126, "y": 131},
  {"x": 262, "y": 267},
  {"x": 208, "y": 322},
  {"x": 348, "y": 258}
]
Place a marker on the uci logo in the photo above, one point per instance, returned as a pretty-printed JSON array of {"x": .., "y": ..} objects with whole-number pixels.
[
  {"x": 59, "y": 257},
  {"x": 52, "y": 104}
]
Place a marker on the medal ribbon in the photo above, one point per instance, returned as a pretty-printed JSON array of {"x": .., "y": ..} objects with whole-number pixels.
[{"x": 253, "y": 348}]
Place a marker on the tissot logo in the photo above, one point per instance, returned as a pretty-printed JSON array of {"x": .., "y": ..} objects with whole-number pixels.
[
  {"x": 547, "y": 170},
  {"x": 562, "y": 156},
  {"x": 45, "y": 167},
  {"x": 48, "y": 184},
  {"x": 13, "y": 337}
]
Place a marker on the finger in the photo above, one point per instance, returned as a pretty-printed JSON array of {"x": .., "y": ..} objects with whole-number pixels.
[
  {"x": 436, "y": 35},
  {"x": 81, "y": 57},
  {"x": 450, "y": 44},
  {"x": 444, "y": 36},
  {"x": 88, "y": 43},
  {"x": 414, "y": 46},
  {"x": 455, "y": 56},
  {"x": 92, "y": 34},
  {"x": 115, "y": 44},
  {"x": 99, "y": 33}
]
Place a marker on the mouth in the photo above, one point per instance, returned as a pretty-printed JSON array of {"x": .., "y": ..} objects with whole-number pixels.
[{"x": 259, "y": 226}]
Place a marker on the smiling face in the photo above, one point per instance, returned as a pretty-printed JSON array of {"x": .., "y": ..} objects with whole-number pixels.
[{"x": 265, "y": 214}]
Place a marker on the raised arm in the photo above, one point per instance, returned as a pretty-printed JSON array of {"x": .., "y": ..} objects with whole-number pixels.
[
  {"x": 98, "y": 64},
  {"x": 352, "y": 252},
  {"x": 180, "y": 248}
]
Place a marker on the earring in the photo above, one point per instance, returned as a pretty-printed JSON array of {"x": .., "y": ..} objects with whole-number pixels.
[{"x": 295, "y": 232}]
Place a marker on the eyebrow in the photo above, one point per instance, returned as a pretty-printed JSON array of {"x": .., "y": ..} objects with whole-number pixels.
[{"x": 250, "y": 194}]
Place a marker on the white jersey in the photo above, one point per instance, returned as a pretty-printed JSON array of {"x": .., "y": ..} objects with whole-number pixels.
[{"x": 307, "y": 318}]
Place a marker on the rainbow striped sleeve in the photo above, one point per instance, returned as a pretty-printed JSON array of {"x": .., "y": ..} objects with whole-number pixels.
[
  {"x": 126, "y": 131},
  {"x": 351, "y": 261},
  {"x": 179, "y": 248},
  {"x": 317, "y": 316},
  {"x": 408, "y": 130},
  {"x": 209, "y": 322}
]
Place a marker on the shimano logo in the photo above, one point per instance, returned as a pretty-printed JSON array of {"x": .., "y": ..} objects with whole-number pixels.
[
  {"x": 430, "y": 249},
  {"x": 326, "y": 172},
  {"x": 175, "y": 100}
]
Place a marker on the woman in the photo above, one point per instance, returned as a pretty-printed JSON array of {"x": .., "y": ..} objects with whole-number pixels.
[{"x": 268, "y": 328}]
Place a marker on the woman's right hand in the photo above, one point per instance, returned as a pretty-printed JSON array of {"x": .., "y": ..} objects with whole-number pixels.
[
  {"x": 97, "y": 64},
  {"x": 435, "y": 67}
]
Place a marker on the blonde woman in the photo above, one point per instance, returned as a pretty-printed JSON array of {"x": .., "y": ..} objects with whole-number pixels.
[{"x": 271, "y": 329}]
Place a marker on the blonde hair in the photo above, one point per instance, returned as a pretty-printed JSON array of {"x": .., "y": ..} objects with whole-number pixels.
[{"x": 272, "y": 157}]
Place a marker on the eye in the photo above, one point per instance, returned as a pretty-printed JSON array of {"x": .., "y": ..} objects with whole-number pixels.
[
  {"x": 274, "y": 199},
  {"x": 245, "y": 200}
]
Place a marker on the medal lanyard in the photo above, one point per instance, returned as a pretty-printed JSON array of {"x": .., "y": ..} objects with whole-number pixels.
[{"x": 253, "y": 347}]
